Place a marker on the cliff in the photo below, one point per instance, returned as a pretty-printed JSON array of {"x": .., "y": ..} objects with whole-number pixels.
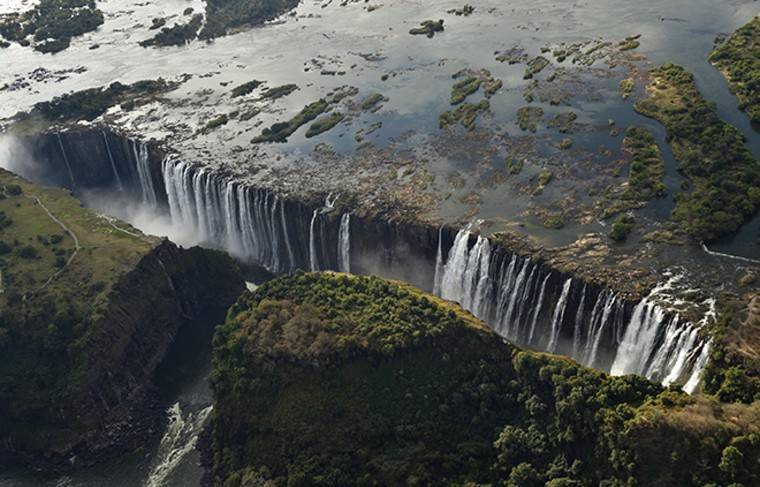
[
  {"x": 90, "y": 309},
  {"x": 329, "y": 379}
]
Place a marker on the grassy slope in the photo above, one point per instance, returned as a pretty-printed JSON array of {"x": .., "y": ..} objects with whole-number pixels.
[
  {"x": 724, "y": 177},
  {"x": 38, "y": 322},
  {"x": 739, "y": 61},
  {"x": 105, "y": 254},
  {"x": 330, "y": 379}
]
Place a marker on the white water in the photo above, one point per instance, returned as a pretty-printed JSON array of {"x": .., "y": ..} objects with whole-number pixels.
[
  {"x": 559, "y": 315},
  {"x": 66, "y": 161},
  {"x": 313, "y": 258},
  {"x": 116, "y": 176},
  {"x": 248, "y": 223},
  {"x": 510, "y": 292},
  {"x": 344, "y": 243},
  {"x": 142, "y": 163},
  {"x": 179, "y": 439}
]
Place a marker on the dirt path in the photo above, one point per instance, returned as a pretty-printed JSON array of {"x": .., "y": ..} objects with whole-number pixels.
[{"x": 66, "y": 229}]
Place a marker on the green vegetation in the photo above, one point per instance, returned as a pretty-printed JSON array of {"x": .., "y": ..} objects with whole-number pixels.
[
  {"x": 88, "y": 309},
  {"x": 621, "y": 228},
  {"x": 535, "y": 66},
  {"x": 330, "y": 379},
  {"x": 629, "y": 43},
  {"x": 277, "y": 92},
  {"x": 371, "y": 102},
  {"x": 528, "y": 118},
  {"x": 565, "y": 143},
  {"x": 733, "y": 371},
  {"x": 92, "y": 103},
  {"x": 466, "y": 114},
  {"x": 245, "y": 88},
  {"x": 428, "y": 28},
  {"x": 739, "y": 61},
  {"x": 645, "y": 178},
  {"x": 223, "y": 16},
  {"x": 51, "y": 24},
  {"x": 513, "y": 165},
  {"x": 323, "y": 124},
  {"x": 176, "y": 35},
  {"x": 280, "y": 131},
  {"x": 464, "y": 88},
  {"x": 215, "y": 123},
  {"x": 724, "y": 175},
  {"x": 564, "y": 122},
  {"x": 544, "y": 178},
  {"x": 626, "y": 87},
  {"x": 157, "y": 23}
]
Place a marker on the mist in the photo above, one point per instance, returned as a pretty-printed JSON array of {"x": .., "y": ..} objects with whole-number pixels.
[{"x": 16, "y": 157}]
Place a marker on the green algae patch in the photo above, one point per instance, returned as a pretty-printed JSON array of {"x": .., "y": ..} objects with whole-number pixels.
[
  {"x": 712, "y": 155},
  {"x": 739, "y": 61}
]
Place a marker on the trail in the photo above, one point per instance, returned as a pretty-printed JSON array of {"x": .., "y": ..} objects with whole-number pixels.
[
  {"x": 66, "y": 229},
  {"x": 118, "y": 228}
]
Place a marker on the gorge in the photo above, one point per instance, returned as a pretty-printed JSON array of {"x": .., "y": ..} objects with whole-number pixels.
[{"x": 527, "y": 302}]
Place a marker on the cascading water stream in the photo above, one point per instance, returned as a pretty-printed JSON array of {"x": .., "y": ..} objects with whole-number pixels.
[
  {"x": 509, "y": 292},
  {"x": 344, "y": 243},
  {"x": 142, "y": 164},
  {"x": 521, "y": 299},
  {"x": 116, "y": 176},
  {"x": 66, "y": 161}
]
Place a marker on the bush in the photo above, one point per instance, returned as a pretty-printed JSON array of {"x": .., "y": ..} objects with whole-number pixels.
[
  {"x": 28, "y": 252},
  {"x": 621, "y": 228}
]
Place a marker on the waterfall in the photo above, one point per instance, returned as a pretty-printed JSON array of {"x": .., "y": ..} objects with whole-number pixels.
[
  {"x": 537, "y": 309},
  {"x": 344, "y": 243},
  {"x": 438, "y": 264},
  {"x": 249, "y": 223},
  {"x": 116, "y": 176},
  {"x": 509, "y": 293},
  {"x": 577, "y": 330},
  {"x": 559, "y": 315},
  {"x": 598, "y": 327},
  {"x": 639, "y": 339},
  {"x": 142, "y": 164},
  {"x": 66, "y": 161},
  {"x": 313, "y": 259}
]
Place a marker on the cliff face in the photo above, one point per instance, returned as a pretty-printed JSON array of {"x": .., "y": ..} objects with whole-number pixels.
[
  {"x": 326, "y": 379},
  {"x": 89, "y": 310},
  {"x": 112, "y": 403}
]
